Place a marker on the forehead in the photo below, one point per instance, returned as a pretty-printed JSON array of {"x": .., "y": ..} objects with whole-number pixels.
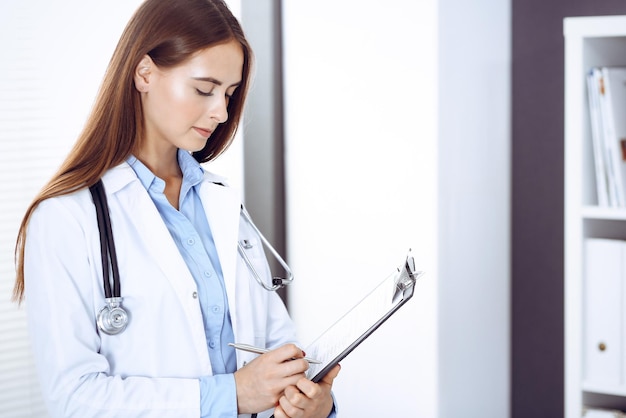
[{"x": 223, "y": 62}]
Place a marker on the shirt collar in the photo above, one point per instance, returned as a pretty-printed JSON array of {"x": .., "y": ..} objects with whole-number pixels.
[
  {"x": 193, "y": 173},
  {"x": 143, "y": 173}
]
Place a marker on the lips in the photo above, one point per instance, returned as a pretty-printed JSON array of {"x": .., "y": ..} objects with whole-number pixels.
[{"x": 203, "y": 132}]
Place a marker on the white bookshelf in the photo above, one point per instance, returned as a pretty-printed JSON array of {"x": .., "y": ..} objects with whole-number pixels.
[{"x": 589, "y": 41}]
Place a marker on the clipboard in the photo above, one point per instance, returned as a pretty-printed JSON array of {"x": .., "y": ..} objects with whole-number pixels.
[{"x": 341, "y": 338}]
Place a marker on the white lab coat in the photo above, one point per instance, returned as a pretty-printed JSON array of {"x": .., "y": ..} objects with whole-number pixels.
[{"x": 152, "y": 368}]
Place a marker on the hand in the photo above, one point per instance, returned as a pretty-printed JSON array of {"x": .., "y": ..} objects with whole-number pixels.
[
  {"x": 308, "y": 399},
  {"x": 263, "y": 381}
]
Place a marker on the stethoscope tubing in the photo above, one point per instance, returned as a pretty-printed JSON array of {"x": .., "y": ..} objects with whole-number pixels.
[
  {"x": 107, "y": 244},
  {"x": 112, "y": 318}
]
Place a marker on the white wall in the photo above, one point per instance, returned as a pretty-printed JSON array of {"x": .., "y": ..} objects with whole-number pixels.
[
  {"x": 361, "y": 157},
  {"x": 474, "y": 173},
  {"x": 397, "y": 136}
]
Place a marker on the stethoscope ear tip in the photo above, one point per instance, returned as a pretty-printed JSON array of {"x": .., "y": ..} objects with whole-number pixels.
[{"x": 281, "y": 282}]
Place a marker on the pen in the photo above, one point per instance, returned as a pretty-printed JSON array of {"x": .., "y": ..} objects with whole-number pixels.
[{"x": 259, "y": 350}]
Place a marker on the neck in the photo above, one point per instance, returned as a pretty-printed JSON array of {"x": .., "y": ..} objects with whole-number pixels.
[{"x": 163, "y": 164}]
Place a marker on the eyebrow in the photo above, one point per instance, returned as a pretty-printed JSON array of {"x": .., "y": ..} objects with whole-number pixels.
[{"x": 214, "y": 81}]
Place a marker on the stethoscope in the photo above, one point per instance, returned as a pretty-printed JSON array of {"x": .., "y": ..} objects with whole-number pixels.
[
  {"x": 277, "y": 282},
  {"x": 113, "y": 318}
]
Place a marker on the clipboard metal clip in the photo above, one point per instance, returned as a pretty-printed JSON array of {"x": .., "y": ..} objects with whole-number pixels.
[{"x": 406, "y": 278}]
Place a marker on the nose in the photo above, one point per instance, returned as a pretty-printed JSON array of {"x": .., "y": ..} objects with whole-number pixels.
[{"x": 218, "y": 109}]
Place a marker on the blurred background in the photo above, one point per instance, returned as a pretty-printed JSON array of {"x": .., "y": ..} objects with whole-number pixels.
[{"x": 372, "y": 128}]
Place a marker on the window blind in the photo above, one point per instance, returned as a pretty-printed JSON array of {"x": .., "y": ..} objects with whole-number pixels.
[{"x": 54, "y": 56}]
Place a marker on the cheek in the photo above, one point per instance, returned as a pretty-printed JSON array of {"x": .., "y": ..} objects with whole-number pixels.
[
  {"x": 179, "y": 99},
  {"x": 175, "y": 101},
  {"x": 176, "y": 92}
]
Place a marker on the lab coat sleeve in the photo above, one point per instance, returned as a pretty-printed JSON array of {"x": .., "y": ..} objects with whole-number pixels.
[{"x": 59, "y": 283}]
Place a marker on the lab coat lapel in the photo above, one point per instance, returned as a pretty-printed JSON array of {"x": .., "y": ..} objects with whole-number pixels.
[
  {"x": 222, "y": 206},
  {"x": 156, "y": 238},
  {"x": 153, "y": 235},
  {"x": 151, "y": 230}
]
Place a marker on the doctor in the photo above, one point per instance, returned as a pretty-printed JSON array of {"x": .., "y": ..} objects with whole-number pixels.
[{"x": 171, "y": 99}]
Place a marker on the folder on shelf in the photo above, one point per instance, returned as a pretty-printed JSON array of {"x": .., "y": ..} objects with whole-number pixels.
[
  {"x": 362, "y": 320},
  {"x": 612, "y": 105},
  {"x": 603, "y": 298}
]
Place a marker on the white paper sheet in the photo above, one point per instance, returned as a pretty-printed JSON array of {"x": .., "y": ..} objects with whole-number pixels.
[{"x": 363, "y": 319}]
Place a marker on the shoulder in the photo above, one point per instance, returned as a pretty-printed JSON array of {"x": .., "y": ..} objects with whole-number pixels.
[
  {"x": 78, "y": 204},
  {"x": 73, "y": 207},
  {"x": 61, "y": 219},
  {"x": 74, "y": 202}
]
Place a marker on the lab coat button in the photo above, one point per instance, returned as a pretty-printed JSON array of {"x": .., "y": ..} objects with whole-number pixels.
[
  {"x": 216, "y": 309},
  {"x": 191, "y": 241},
  {"x": 212, "y": 344},
  {"x": 195, "y": 295}
]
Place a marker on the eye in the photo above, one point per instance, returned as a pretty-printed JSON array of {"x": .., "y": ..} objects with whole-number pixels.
[{"x": 204, "y": 93}]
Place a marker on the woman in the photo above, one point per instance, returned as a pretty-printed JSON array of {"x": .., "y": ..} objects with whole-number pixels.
[{"x": 172, "y": 98}]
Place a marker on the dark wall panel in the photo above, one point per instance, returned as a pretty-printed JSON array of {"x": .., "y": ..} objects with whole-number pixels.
[{"x": 537, "y": 193}]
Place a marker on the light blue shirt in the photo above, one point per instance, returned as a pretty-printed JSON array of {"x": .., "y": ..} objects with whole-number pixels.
[{"x": 190, "y": 230}]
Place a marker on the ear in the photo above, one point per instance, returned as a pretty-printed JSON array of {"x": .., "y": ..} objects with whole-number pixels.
[{"x": 143, "y": 73}]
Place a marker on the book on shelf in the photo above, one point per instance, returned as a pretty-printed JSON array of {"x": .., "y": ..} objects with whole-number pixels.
[
  {"x": 594, "y": 86},
  {"x": 606, "y": 87}
]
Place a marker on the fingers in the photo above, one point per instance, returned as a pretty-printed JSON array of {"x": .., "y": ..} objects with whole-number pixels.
[
  {"x": 307, "y": 398},
  {"x": 305, "y": 387},
  {"x": 262, "y": 382},
  {"x": 289, "y": 362},
  {"x": 287, "y": 352},
  {"x": 279, "y": 412},
  {"x": 293, "y": 403}
]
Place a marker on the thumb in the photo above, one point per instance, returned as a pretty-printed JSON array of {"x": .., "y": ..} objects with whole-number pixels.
[{"x": 331, "y": 375}]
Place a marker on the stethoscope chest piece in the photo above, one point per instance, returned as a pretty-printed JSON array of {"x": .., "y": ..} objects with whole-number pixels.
[{"x": 112, "y": 318}]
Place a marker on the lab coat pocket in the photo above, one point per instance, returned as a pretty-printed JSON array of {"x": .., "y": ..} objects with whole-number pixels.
[
  {"x": 260, "y": 340},
  {"x": 253, "y": 255}
]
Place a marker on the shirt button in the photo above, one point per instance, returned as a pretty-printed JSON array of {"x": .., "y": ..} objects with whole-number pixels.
[
  {"x": 212, "y": 344},
  {"x": 195, "y": 295}
]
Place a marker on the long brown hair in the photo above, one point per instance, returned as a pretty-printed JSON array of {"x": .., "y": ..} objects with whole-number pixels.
[{"x": 169, "y": 31}]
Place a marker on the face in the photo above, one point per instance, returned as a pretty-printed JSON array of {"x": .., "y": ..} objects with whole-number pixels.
[{"x": 183, "y": 105}]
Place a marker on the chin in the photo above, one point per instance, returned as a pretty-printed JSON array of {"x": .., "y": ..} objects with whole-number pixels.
[{"x": 194, "y": 146}]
